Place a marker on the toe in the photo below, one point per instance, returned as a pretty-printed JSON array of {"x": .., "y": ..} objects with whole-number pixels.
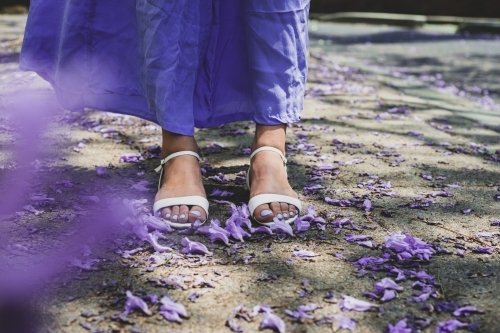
[
  {"x": 197, "y": 213},
  {"x": 284, "y": 210},
  {"x": 175, "y": 214},
  {"x": 166, "y": 213},
  {"x": 276, "y": 208},
  {"x": 183, "y": 214},
  {"x": 292, "y": 211},
  {"x": 263, "y": 213}
]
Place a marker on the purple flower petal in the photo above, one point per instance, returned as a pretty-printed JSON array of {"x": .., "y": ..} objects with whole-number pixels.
[
  {"x": 467, "y": 211},
  {"x": 195, "y": 227},
  {"x": 220, "y": 178},
  {"x": 420, "y": 298},
  {"x": 338, "y": 202},
  {"x": 233, "y": 325},
  {"x": 340, "y": 255},
  {"x": 152, "y": 298},
  {"x": 400, "y": 327},
  {"x": 426, "y": 177},
  {"x": 325, "y": 167},
  {"x": 215, "y": 232},
  {"x": 235, "y": 230},
  {"x": 399, "y": 110},
  {"x": 386, "y": 283},
  {"x": 153, "y": 237},
  {"x": 367, "y": 243},
  {"x": 135, "y": 302},
  {"x": 272, "y": 321},
  {"x": 351, "y": 238},
  {"x": 171, "y": 316},
  {"x": 220, "y": 193},
  {"x": 345, "y": 323},
  {"x": 408, "y": 247},
  {"x": 154, "y": 223},
  {"x": 330, "y": 297},
  {"x": 388, "y": 295},
  {"x": 304, "y": 254},
  {"x": 339, "y": 322},
  {"x": 369, "y": 261},
  {"x": 312, "y": 188},
  {"x": 193, "y": 247},
  {"x": 367, "y": 205},
  {"x": 349, "y": 303},
  {"x": 371, "y": 295},
  {"x": 261, "y": 308},
  {"x": 466, "y": 311},
  {"x": 193, "y": 297},
  {"x": 131, "y": 158},
  {"x": 484, "y": 249},
  {"x": 263, "y": 229},
  {"x": 172, "y": 310},
  {"x": 301, "y": 225},
  {"x": 281, "y": 226},
  {"x": 141, "y": 231},
  {"x": 302, "y": 311},
  {"x": 450, "y": 326},
  {"x": 225, "y": 202},
  {"x": 423, "y": 275}
]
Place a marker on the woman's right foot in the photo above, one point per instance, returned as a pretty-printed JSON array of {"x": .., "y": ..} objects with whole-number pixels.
[{"x": 181, "y": 177}]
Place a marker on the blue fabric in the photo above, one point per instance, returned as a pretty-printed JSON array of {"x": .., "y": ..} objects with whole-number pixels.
[{"x": 179, "y": 63}]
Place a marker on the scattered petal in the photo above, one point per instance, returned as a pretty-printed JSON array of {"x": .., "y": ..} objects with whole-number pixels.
[
  {"x": 135, "y": 302},
  {"x": 349, "y": 303},
  {"x": 172, "y": 310},
  {"x": 450, "y": 326},
  {"x": 193, "y": 247},
  {"x": 281, "y": 226}
]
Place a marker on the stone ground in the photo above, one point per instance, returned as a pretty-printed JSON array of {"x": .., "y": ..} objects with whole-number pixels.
[{"x": 416, "y": 108}]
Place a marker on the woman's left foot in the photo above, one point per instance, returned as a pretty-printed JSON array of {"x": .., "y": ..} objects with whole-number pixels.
[{"x": 268, "y": 176}]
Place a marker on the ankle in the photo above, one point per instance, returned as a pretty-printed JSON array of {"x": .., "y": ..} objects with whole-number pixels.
[
  {"x": 272, "y": 136},
  {"x": 173, "y": 143}
]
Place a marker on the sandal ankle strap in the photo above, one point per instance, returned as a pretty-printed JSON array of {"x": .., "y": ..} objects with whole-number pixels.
[
  {"x": 258, "y": 150},
  {"x": 268, "y": 148},
  {"x": 171, "y": 156}
]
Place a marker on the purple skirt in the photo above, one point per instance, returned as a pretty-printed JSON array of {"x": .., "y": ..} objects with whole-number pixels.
[{"x": 179, "y": 63}]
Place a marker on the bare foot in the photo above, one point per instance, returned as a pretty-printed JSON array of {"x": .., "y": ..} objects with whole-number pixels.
[
  {"x": 181, "y": 177},
  {"x": 268, "y": 176}
]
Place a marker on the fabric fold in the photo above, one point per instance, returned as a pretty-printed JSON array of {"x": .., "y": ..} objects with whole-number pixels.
[{"x": 179, "y": 63}]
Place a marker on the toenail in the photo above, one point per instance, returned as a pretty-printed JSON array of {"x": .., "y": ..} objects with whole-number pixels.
[
  {"x": 285, "y": 215},
  {"x": 279, "y": 216},
  {"x": 296, "y": 212},
  {"x": 174, "y": 217},
  {"x": 196, "y": 213},
  {"x": 292, "y": 213},
  {"x": 182, "y": 216},
  {"x": 167, "y": 216},
  {"x": 265, "y": 212}
]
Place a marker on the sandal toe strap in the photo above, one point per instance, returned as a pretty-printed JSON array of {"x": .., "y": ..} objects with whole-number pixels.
[
  {"x": 261, "y": 199},
  {"x": 194, "y": 200}
]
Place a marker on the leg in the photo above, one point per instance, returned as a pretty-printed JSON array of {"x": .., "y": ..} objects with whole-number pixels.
[
  {"x": 181, "y": 177},
  {"x": 267, "y": 174}
]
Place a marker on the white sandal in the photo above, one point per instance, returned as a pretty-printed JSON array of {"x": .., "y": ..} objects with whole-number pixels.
[
  {"x": 268, "y": 198},
  {"x": 194, "y": 200}
]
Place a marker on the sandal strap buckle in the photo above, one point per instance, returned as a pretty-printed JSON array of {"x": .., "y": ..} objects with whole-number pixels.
[{"x": 171, "y": 156}]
